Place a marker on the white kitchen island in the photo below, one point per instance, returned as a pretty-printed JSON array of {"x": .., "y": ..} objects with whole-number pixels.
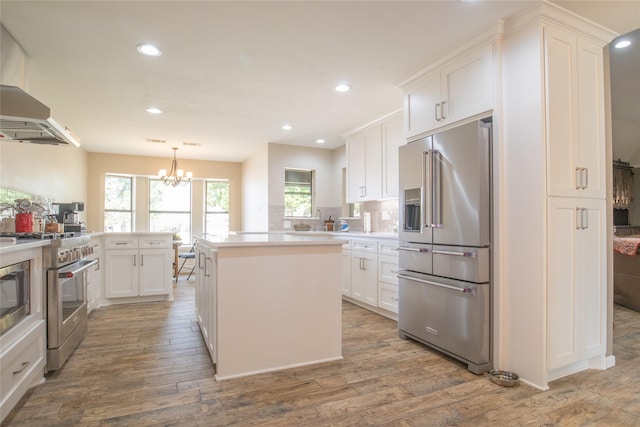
[{"x": 266, "y": 302}]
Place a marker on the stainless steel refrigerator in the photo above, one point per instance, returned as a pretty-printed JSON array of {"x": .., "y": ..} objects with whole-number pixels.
[{"x": 445, "y": 243}]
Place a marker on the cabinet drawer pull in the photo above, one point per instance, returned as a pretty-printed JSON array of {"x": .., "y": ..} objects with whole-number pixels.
[
  {"x": 22, "y": 368},
  {"x": 120, "y": 243}
]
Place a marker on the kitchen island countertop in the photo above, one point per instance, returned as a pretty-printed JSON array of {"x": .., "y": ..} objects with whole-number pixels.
[{"x": 270, "y": 239}]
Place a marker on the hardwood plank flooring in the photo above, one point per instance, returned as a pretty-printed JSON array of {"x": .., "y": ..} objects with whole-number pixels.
[{"x": 146, "y": 365}]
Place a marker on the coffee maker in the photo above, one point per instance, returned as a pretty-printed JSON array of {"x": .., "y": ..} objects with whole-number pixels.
[{"x": 67, "y": 214}]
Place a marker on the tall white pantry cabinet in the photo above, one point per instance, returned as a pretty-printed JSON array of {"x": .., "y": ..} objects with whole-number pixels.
[{"x": 552, "y": 166}]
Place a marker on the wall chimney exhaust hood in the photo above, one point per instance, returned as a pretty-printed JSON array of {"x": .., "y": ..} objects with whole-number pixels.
[{"x": 25, "y": 119}]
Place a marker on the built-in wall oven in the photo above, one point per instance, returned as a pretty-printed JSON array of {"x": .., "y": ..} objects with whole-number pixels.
[
  {"x": 14, "y": 294},
  {"x": 67, "y": 264}
]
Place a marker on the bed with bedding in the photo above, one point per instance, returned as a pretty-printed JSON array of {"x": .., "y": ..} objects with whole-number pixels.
[{"x": 626, "y": 271}]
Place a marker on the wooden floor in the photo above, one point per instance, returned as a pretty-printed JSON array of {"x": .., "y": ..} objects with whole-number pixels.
[{"x": 146, "y": 364}]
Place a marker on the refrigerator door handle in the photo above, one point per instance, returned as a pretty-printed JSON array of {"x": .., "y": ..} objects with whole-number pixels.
[
  {"x": 464, "y": 254},
  {"x": 436, "y": 173},
  {"x": 427, "y": 188},
  {"x": 423, "y": 250},
  {"x": 440, "y": 285}
]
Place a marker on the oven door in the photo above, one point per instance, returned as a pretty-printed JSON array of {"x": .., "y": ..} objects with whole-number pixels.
[
  {"x": 14, "y": 295},
  {"x": 66, "y": 300}
]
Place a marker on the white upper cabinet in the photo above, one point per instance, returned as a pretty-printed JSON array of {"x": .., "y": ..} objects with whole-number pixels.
[
  {"x": 460, "y": 88},
  {"x": 372, "y": 161},
  {"x": 392, "y": 139},
  {"x": 574, "y": 115}
]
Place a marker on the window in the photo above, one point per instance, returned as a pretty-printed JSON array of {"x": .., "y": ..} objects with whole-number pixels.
[
  {"x": 170, "y": 209},
  {"x": 118, "y": 211},
  {"x": 217, "y": 208},
  {"x": 297, "y": 192}
]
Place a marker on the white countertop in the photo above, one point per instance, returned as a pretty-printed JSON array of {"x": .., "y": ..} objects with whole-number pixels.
[
  {"x": 346, "y": 234},
  {"x": 271, "y": 239},
  {"x": 23, "y": 245}
]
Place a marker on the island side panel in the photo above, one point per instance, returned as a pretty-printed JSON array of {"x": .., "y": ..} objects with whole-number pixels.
[{"x": 277, "y": 307}]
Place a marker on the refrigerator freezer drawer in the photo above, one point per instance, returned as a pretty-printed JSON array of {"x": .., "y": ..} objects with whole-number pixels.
[
  {"x": 468, "y": 264},
  {"x": 415, "y": 257},
  {"x": 449, "y": 315}
]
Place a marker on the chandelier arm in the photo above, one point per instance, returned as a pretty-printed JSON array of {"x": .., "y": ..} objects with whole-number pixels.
[{"x": 172, "y": 178}]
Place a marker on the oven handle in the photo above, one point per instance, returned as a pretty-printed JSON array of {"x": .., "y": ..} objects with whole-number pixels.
[
  {"x": 441, "y": 285},
  {"x": 85, "y": 264}
]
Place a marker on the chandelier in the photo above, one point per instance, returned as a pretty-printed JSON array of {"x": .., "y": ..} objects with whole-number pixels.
[{"x": 175, "y": 176}]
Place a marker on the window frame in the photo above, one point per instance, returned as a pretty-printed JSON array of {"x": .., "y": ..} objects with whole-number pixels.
[
  {"x": 185, "y": 239},
  {"x": 207, "y": 212},
  {"x": 310, "y": 194},
  {"x": 130, "y": 211}
]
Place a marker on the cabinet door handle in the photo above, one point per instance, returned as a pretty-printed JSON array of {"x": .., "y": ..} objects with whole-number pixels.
[
  {"x": 444, "y": 117},
  {"x": 582, "y": 219},
  {"x": 436, "y": 112},
  {"x": 578, "y": 219},
  {"x": 22, "y": 368},
  {"x": 200, "y": 254},
  {"x": 141, "y": 260},
  {"x": 134, "y": 260},
  {"x": 582, "y": 178},
  {"x": 205, "y": 266},
  {"x": 585, "y": 182}
]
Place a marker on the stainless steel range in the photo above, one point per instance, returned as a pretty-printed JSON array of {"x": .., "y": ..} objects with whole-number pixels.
[{"x": 66, "y": 267}]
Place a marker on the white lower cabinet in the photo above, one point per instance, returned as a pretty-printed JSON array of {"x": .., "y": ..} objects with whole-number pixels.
[
  {"x": 94, "y": 283},
  {"x": 364, "y": 277},
  {"x": 21, "y": 367},
  {"x": 206, "y": 296},
  {"x": 369, "y": 270},
  {"x": 388, "y": 282},
  {"x": 138, "y": 266},
  {"x": 346, "y": 271},
  {"x": 23, "y": 346},
  {"x": 576, "y": 311}
]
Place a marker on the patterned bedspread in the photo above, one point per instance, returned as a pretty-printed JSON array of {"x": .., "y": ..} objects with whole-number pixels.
[{"x": 626, "y": 245}]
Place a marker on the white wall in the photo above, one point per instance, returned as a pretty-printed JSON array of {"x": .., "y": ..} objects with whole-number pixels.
[
  {"x": 327, "y": 188},
  {"x": 255, "y": 192}
]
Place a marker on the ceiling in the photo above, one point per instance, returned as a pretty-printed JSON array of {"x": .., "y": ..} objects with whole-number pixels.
[{"x": 232, "y": 73}]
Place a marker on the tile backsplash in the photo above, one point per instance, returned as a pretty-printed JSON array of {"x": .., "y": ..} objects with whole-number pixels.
[
  {"x": 9, "y": 196},
  {"x": 384, "y": 216}
]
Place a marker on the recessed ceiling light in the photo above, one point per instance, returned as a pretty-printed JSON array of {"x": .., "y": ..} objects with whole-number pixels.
[
  {"x": 153, "y": 110},
  {"x": 622, "y": 43},
  {"x": 287, "y": 127},
  {"x": 149, "y": 49},
  {"x": 320, "y": 141},
  {"x": 342, "y": 87}
]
